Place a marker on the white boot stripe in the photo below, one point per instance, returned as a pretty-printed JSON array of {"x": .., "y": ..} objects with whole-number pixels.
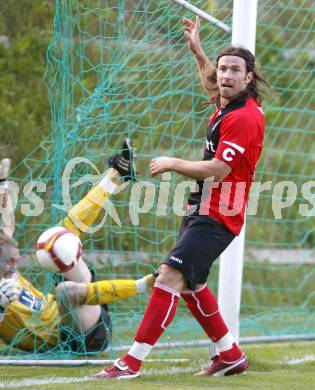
[{"x": 227, "y": 369}]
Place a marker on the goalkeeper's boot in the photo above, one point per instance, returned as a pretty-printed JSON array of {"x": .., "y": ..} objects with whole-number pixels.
[
  {"x": 222, "y": 368},
  {"x": 119, "y": 370},
  {"x": 4, "y": 169},
  {"x": 124, "y": 162}
]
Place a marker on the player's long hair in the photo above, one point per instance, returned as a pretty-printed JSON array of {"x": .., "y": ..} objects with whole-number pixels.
[{"x": 257, "y": 88}]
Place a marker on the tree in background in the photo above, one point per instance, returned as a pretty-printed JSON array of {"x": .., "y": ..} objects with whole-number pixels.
[{"x": 25, "y": 32}]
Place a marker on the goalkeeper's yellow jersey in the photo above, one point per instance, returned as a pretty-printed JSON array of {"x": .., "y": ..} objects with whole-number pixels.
[{"x": 32, "y": 321}]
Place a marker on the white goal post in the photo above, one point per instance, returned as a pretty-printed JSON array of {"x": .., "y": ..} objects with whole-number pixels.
[{"x": 232, "y": 259}]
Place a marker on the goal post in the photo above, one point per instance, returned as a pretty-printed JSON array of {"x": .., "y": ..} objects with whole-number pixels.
[
  {"x": 204, "y": 15},
  {"x": 232, "y": 259}
]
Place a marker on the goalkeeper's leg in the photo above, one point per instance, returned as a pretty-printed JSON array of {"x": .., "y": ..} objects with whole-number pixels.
[
  {"x": 84, "y": 213},
  {"x": 78, "y": 303},
  {"x": 81, "y": 217},
  {"x": 106, "y": 291}
]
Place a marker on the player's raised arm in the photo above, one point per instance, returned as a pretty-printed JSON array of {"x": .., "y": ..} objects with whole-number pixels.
[{"x": 207, "y": 69}]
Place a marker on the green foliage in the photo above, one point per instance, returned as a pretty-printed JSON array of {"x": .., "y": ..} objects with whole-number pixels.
[{"x": 24, "y": 105}]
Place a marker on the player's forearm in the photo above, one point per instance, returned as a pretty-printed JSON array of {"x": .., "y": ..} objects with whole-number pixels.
[
  {"x": 199, "y": 170},
  {"x": 202, "y": 60},
  {"x": 207, "y": 71}
]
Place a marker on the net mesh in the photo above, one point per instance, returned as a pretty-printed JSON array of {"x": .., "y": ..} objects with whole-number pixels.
[{"x": 121, "y": 68}]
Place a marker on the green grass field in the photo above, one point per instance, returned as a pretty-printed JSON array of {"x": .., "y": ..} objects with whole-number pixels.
[{"x": 272, "y": 367}]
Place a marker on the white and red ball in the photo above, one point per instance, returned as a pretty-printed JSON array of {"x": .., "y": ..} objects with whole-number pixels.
[{"x": 58, "y": 249}]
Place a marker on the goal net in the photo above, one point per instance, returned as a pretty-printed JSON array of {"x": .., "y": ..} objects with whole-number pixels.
[{"x": 121, "y": 68}]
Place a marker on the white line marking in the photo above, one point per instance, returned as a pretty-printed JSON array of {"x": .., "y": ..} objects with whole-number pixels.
[
  {"x": 75, "y": 362},
  {"x": 306, "y": 358},
  {"x": 42, "y": 381},
  {"x": 23, "y": 383}
]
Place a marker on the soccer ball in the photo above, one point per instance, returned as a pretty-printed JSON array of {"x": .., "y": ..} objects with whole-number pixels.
[{"x": 58, "y": 249}]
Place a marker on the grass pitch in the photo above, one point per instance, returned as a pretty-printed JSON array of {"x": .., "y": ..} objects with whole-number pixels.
[{"x": 289, "y": 366}]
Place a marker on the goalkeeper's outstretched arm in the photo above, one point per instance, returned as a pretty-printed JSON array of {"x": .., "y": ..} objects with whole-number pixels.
[{"x": 207, "y": 69}]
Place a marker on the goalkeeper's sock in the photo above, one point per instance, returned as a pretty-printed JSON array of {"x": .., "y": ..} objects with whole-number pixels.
[
  {"x": 204, "y": 307},
  {"x": 146, "y": 283},
  {"x": 84, "y": 213},
  {"x": 158, "y": 315},
  {"x": 106, "y": 291}
]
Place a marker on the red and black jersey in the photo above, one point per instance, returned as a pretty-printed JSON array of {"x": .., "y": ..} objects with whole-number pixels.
[{"x": 235, "y": 135}]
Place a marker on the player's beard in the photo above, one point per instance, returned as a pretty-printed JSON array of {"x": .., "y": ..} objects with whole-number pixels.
[{"x": 231, "y": 96}]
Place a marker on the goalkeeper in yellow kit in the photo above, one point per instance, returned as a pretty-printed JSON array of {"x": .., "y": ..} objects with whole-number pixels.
[{"x": 76, "y": 315}]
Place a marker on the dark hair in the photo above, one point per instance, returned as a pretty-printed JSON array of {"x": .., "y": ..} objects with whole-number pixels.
[{"x": 258, "y": 86}]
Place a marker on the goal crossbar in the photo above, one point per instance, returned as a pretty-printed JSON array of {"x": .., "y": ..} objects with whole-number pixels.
[{"x": 204, "y": 15}]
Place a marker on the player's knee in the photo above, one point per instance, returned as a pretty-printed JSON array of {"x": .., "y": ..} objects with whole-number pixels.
[
  {"x": 171, "y": 277},
  {"x": 68, "y": 290}
]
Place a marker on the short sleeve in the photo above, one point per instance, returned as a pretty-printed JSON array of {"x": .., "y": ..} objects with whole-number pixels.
[{"x": 236, "y": 135}]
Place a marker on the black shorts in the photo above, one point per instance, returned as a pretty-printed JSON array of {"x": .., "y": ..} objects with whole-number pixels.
[
  {"x": 96, "y": 340},
  {"x": 200, "y": 242}
]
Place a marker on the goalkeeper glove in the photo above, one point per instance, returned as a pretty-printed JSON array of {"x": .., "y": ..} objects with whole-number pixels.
[{"x": 9, "y": 292}]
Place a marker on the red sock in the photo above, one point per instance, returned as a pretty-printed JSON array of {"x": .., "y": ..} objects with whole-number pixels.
[
  {"x": 133, "y": 363},
  {"x": 158, "y": 315},
  {"x": 232, "y": 354},
  {"x": 204, "y": 307}
]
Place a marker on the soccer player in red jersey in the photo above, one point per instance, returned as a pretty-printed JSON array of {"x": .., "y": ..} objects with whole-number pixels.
[{"x": 215, "y": 209}]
